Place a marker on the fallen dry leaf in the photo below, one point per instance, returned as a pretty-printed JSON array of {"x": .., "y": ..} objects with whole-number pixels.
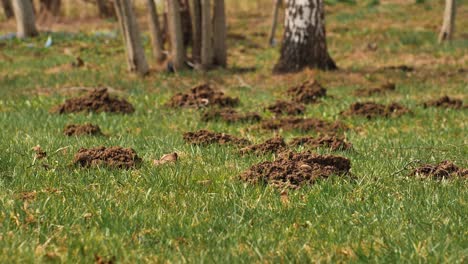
[
  {"x": 40, "y": 154},
  {"x": 167, "y": 158}
]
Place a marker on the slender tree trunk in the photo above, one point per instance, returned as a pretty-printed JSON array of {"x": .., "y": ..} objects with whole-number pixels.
[
  {"x": 49, "y": 7},
  {"x": 207, "y": 41},
  {"x": 131, "y": 36},
  {"x": 186, "y": 20},
  {"x": 197, "y": 32},
  {"x": 175, "y": 34},
  {"x": 105, "y": 9},
  {"x": 219, "y": 34},
  {"x": 304, "y": 40},
  {"x": 274, "y": 22},
  {"x": 8, "y": 9},
  {"x": 155, "y": 31},
  {"x": 25, "y": 20},
  {"x": 448, "y": 25}
]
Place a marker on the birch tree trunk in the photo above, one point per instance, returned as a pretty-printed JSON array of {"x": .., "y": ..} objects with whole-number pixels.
[
  {"x": 219, "y": 34},
  {"x": 131, "y": 35},
  {"x": 8, "y": 9},
  {"x": 274, "y": 22},
  {"x": 197, "y": 32},
  {"x": 207, "y": 41},
  {"x": 155, "y": 31},
  {"x": 25, "y": 19},
  {"x": 175, "y": 34},
  {"x": 449, "y": 21},
  {"x": 304, "y": 40}
]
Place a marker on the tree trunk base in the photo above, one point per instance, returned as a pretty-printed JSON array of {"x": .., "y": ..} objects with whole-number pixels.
[{"x": 284, "y": 67}]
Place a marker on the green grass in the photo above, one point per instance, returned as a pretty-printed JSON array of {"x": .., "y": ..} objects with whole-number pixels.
[{"x": 154, "y": 214}]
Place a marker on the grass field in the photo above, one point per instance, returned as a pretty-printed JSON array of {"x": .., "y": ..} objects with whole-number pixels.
[{"x": 198, "y": 210}]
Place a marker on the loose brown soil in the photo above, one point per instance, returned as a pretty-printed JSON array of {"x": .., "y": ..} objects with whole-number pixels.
[
  {"x": 304, "y": 124},
  {"x": 205, "y": 137},
  {"x": 388, "y": 87},
  {"x": 286, "y": 108},
  {"x": 98, "y": 100},
  {"x": 308, "y": 93},
  {"x": 230, "y": 115},
  {"x": 273, "y": 145},
  {"x": 202, "y": 96},
  {"x": 443, "y": 170},
  {"x": 114, "y": 157},
  {"x": 80, "y": 130},
  {"x": 296, "y": 169},
  {"x": 372, "y": 110},
  {"x": 445, "y": 102},
  {"x": 327, "y": 141}
]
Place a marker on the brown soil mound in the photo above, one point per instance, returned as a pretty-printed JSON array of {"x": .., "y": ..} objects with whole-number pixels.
[
  {"x": 296, "y": 169},
  {"x": 115, "y": 157},
  {"x": 273, "y": 145},
  {"x": 445, "y": 169},
  {"x": 308, "y": 92},
  {"x": 202, "y": 95},
  {"x": 230, "y": 115},
  {"x": 98, "y": 101},
  {"x": 205, "y": 137},
  {"x": 85, "y": 129},
  {"x": 445, "y": 102},
  {"x": 332, "y": 142},
  {"x": 304, "y": 124},
  {"x": 371, "y": 110},
  {"x": 286, "y": 108},
  {"x": 388, "y": 87}
]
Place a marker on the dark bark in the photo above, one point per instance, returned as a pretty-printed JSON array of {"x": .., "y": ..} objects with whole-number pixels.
[
  {"x": 105, "y": 9},
  {"x": 49, "y": 7},
  {"x": 197, "y": 32},
  {"x": 8, "y": 9}
]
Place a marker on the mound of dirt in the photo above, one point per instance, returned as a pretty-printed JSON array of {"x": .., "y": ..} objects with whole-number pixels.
[
  {"x": 308, "y": 92},
  {"x": 443, "y": 170},
  {"x": 304, "y": 124},
  {"x": 445, "y": 102},
  {"x": 388, "y": 87},
  {"x": 296, "y": 169},
  {"x": 273, "y": 145},
  {"x": 202, "y": 96},
  {"x": 230, "y": 115},
  {"x": 98, "y": 101},
  {"x": 79, "y": 130},
  {"x": 327, "y": 141},
  {"x": 205, "y": 137},
  {"x": 114, "y": 157},
  {"x": 372, "y": 110},
  {"x": 286, "y": 108}
]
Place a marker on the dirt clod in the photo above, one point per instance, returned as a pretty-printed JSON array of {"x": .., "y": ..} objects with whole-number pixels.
[
  {"x": 79, "y": 130},
  {"x": 443, "y": 170},
  {"x": 372, "y": 110},
  {"x": 387, "y": 87},
  {"x": 98, "y": 100},
  {"x": 308, "y": 92},
  {"x": 304, "y": 124},
  {"x": 273, "y": 145},
  {"x": 202, "y": 96},
  {"x": 39, "y": 153},
  {"x": 114, "y": 157},
  {"x": 205, "y": 137},
  {"x": 445, "y": 102},
  {"x": 286, "y": 108},
  {"x": 296, "y": 169},
  {"x": 230, "y": 115},
  {"x": 327, "y": 141}
]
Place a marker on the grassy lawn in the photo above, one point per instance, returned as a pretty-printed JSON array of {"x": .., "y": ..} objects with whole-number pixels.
[{"x": 198, "y": 210}]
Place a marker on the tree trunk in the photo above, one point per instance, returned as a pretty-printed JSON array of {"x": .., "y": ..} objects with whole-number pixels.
[
  {"x": 219, "y": 34},
  {"x": 304, "y": 40},
  {"x": 449, "y": 21},
  {"x": 8, "y": 9},
  {"x": 155, "y": 31},
  {"x": 49, "y": 7},
  {"x": 131, "y": 36},
  {"x": 207, "y": 41},
  {"x": 274, "y": 22},
  {"x": 175, "y": 34},
  {"x": 25, "y": 20},
  {"x": 105, "y": 9},
  {"x": 197, "y": 32}
]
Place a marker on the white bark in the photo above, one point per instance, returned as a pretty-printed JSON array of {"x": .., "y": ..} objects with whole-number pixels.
[
  {"x": 25, "y": 20},
  {"x": 448, "y": 25}
]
